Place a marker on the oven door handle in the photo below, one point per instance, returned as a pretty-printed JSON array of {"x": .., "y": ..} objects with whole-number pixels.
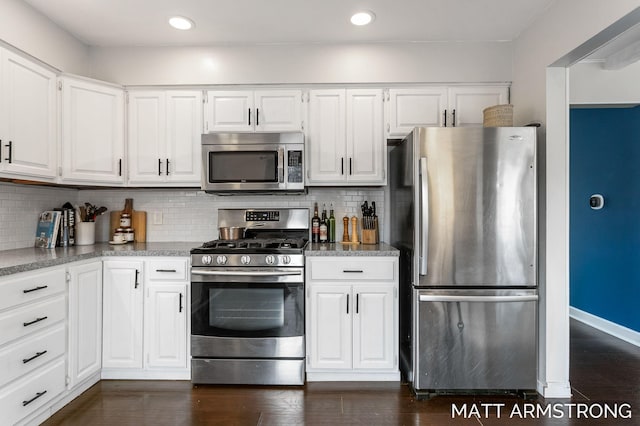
[{"x": 247, "y": 274}]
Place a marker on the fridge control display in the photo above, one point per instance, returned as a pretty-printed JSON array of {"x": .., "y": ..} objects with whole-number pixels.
[{"x": 596, "y": 201}]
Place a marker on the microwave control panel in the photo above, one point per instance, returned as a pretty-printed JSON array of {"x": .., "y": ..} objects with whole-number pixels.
[{"x": 294, "y": 166}]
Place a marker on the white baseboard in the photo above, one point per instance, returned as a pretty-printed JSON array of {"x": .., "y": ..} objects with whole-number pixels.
[
  {"x": 554, "y": 390},
  {"x": 616, "y": 330}
]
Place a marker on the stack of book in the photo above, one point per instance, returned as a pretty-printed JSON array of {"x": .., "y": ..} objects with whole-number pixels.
[{"x": 48, "y": 229}]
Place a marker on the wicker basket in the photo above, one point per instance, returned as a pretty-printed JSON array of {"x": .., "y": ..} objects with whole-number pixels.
[{"x": 498, "y": 116}]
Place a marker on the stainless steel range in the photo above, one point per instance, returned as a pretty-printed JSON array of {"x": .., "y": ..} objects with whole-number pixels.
[{"x": 247, "y": 300}]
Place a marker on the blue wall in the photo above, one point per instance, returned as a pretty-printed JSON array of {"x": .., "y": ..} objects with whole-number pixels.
[{"x": 605, "y": 244}]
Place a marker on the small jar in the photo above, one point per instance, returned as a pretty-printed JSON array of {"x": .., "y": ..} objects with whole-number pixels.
[
  {"x": 125, "y": 220},
  {"x": 120, "y": 232},
  {"x": 129, "y": 235}
]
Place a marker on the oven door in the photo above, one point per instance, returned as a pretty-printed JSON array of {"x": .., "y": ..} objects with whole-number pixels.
[{"x": 247, "y": 312}]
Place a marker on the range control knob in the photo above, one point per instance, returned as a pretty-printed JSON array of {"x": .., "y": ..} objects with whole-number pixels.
[
  {"x": 206, "y": 259},
  {"x": 221, "y": 260},
  {"x": 286, "y": 260},
  {"x": 270, "y": 260},
  {"x": 245, "y": 260}
]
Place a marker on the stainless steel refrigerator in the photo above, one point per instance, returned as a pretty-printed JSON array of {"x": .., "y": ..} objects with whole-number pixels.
[{"x": 463, "y": 214}]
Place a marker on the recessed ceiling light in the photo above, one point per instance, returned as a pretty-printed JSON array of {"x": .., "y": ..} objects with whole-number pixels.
[
  {"x": 181, "y": 23},
  {"x": 362, "y": 18}
]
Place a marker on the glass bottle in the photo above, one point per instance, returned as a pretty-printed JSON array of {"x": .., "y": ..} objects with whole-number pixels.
[
  {"x": 323, "y": 226},
  {"x": 315, "y": 225},
  {"x": 332, "y": 226}
]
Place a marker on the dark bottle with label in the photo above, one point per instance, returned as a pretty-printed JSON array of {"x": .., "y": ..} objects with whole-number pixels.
[
  {"x": 323, "y": 226},
  {"x": 315, "y": 225},
  {"x": 332, "y": 226}
]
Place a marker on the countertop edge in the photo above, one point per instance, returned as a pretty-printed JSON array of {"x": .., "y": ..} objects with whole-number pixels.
[{"x": 31, "y": 259}]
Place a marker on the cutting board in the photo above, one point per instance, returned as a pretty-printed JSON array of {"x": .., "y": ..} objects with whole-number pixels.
[{"x": 138, "y": 223}]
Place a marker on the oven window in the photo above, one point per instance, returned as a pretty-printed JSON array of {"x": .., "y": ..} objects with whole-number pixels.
[
  {"x": 243, "y": 166},
  {"x": 247, "y": 310}
]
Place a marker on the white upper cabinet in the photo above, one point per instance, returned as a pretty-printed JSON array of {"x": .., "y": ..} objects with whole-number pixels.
[
  {"x": 27, "y": 118},
  {"x": 453, "y": 106},
  {"x": 253, "y": 111},
  {"x": 346, "y": 137},
  {"x": 467, "y": 102},
  {"x": 164, "y": 129},
  {"x": 418, "y": 107},
  {"x": 92, "y": 132}
]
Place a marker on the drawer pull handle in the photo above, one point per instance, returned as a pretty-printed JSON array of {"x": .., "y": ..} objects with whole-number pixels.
[
  {"x": 352, "y": 271},
  {"x": 37, "y": 355},
  {"x": 41, "y": 287},
  {"x": 166, "y": 270},
  {"x": 26, "y": 324},
  {"x": 38, "y": 395}
]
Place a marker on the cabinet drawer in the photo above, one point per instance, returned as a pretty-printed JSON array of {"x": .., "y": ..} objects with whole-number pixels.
[
  {"x": 33, "y": 317},
  {"x": 167, "y": 270},
  {"x": 32, "y": 392},
  {"x": 29, "y": 286},
  {"x": 352, "y": 268},
  {"x": 29, "y": 353}
]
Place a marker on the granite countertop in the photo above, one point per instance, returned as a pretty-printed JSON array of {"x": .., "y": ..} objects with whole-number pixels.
[
  {"x": 31, "y": 258},
  {"x": 338, "y": 249}
]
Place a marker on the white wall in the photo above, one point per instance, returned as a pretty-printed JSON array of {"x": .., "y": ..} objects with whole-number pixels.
[
  {"x": 296, "y": 64},
  {"x": 540, "y": 94},
  {"x": 592, "y": 84},
  {"x": 26, "y": 29}
]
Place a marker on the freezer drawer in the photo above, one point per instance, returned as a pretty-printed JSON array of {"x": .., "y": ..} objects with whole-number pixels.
[{"x": 475, "y": 339}]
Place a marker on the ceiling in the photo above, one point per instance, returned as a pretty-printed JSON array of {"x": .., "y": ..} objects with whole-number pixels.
[{"x": 144, "y": 22}]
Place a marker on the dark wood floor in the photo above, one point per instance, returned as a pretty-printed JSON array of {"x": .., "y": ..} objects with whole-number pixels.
[{"x": 604, "y": 371}]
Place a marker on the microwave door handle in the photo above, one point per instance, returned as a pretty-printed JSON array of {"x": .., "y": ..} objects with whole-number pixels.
[
  {"x": 281, "y": 165},
  {"x": 424, "y": 216}
]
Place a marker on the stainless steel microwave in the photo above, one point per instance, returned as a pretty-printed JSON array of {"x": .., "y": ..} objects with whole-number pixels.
[{"x": 253, "y": 162}]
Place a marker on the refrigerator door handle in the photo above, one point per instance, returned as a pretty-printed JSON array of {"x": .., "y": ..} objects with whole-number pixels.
[
  {"x": 452, "y": 298},
  {"x": 424, "y": 216}
]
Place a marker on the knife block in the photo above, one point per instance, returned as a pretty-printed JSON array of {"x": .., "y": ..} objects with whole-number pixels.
[{"x": 370, "y": 236}]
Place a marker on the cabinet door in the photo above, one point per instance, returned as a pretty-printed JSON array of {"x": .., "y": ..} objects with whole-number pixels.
[
  {"x": 278, "y": 110},
  {"x": 366, "y": 149},
  {"x": 122, "y": 315},
  {"x": 330, "y": 337},
  {"x": 374, "y": 325},
  {"x": 146, "y": 131},
  {"x": 326, "y": 138},
  {"x": 184, "y": 130},
  {"x": 27, "y": 117},
  {"x": 466, "y": 103},
  {"x": 85, "y": 321},
  {"x": 166, "y": 325},
  {"x": 417, "y": 107},
  {"x": 229, "y": 111},
  {"x": 92, "y": 133}
]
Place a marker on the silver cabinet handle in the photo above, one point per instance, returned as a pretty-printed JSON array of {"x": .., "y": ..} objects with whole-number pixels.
[
  {"x": 352, "y": 271},
  {"x": 166, "y": 270}
]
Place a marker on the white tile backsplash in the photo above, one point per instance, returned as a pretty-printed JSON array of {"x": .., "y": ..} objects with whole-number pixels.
[
  {"x": 20, "y": 207},
  {"x": 187, "y": 215}
]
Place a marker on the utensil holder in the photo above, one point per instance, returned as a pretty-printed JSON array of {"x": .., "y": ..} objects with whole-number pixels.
[{"x": 85, "y": 233}]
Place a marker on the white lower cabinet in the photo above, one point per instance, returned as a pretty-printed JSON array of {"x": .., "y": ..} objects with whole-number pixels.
[
  {"x": 352, "y": 319},
  {"x": 122, "y": 314},
  {"x": 85, "y": 322},
  {"x": 33, "y": 322},
  {"x": 145, "y": 321}
]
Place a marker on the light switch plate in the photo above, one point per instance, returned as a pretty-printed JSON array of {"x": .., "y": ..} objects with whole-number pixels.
[{"x": 157, "y": 218}]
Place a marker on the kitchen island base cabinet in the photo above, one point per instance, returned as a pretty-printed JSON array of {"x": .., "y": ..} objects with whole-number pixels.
[
  {"x": 146, "y": 319},
  {"x": 352, "y": 319}
]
